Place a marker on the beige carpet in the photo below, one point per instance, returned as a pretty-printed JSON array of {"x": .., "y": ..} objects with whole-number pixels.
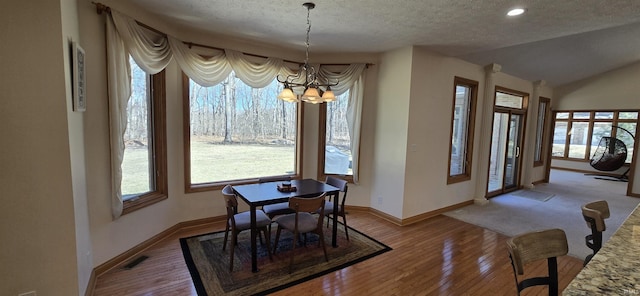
[{"x": 511, "y": 214}]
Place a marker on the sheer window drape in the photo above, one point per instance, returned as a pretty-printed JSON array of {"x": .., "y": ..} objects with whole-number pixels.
[
  {"x": 352, "y": 78},
  {"x": 153, "y": 52}
]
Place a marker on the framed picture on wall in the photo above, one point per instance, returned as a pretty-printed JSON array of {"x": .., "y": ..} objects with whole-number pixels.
[{"x": 79, "y": 78}]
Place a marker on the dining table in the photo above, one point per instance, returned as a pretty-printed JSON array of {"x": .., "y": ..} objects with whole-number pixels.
[{"x": 260, "y": 194}]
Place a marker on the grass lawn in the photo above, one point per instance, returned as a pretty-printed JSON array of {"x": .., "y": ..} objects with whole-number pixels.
[{"x": 212, "y": 162}]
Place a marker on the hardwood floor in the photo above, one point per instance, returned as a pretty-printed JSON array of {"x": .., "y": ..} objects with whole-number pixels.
[{"x": 438, "y": 256}]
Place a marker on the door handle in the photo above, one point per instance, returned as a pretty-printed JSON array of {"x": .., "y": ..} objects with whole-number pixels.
[{"x": 517, "y": 151}]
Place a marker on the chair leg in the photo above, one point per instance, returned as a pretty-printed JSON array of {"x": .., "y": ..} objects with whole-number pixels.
[
  {"x": 587, "y": 259},
  {"x": 275, "y": 244},
  {"x": 552, "y": 265},
  {"x": 226, "y": 235},
  {"x": 324, "y": 247},
  {"x": 346, "y": 231},
  {"x": 293, "y": 251},
  {"x": 515, "y": 274},
  {"x": 267, "y": 237},
  {"x": 234, "y": 239}
]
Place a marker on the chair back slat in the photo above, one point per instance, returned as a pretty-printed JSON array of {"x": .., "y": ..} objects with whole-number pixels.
[
  {"x": 339, "y": 183},
  {"x": 537, "y": 245},
  {"x": 231, "y": 202},
  {"x": 598, "y": 211},
  {"x": 310, "y": 205}
]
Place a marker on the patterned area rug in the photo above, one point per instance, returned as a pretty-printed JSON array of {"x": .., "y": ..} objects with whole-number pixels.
[{"x": 209, "y": 264}]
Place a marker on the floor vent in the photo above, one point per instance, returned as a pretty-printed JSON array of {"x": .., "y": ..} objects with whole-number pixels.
[{"x": 135, "y": 262}]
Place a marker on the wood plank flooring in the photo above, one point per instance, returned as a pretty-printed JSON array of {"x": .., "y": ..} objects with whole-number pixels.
[{"x": 438, "y": 256}]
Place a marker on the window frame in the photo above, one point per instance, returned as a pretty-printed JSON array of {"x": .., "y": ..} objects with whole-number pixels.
[
  {"x": 159, "y": 146},
  {"x": 540, "y": 146},
  {"x": 211, "y": 186},
  {"x": 470, "y": 129},
  {"x": 591, "y": 121},
  {"x": 322, "y": 141}
]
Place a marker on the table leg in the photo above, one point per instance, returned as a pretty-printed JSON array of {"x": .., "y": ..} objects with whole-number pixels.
[
  {"x": 254, "y": 252},
  {"x": 334, "y": 236}
]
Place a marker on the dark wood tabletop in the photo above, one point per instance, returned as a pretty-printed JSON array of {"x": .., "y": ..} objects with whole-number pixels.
[{"x": 267, "y": 193}]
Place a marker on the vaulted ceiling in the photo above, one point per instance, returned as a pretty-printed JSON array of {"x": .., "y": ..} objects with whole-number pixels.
[{"x": 556, "y": 41}]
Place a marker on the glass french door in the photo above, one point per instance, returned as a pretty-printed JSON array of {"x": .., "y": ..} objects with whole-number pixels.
[{"x": 506, "y": 148}]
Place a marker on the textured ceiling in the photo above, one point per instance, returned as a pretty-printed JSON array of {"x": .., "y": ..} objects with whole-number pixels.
[{"x": 559, "y": 41}]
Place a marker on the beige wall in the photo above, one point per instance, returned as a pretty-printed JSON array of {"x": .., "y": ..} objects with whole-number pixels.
[
  {"x": 429, "y": 133},
  {"x": 617, "y": 89},
  {"x": 37, "y": 226},
  {"x": 76, "y": 149},
  {"x": 390, "y": 132}
]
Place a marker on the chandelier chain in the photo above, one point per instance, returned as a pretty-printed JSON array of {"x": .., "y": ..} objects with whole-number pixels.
[{"x": 306, "y": 59}]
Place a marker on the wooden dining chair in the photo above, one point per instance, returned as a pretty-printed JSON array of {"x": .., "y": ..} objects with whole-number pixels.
[
  {"x": 328, "y": 205},
  {"x": 594, "y": 214},
  {"x": 302, "y": 222},
  {"x": 238, "y": 222},
  {"x": 279, "y": 208},
  {"x": 533, "y": 246}
]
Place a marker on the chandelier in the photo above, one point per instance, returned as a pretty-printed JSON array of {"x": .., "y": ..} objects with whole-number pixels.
[{"x": 312, "y": 92}]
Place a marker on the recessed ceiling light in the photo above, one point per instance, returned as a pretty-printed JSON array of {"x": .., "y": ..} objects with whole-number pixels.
[{"x": 516, "y": 11}]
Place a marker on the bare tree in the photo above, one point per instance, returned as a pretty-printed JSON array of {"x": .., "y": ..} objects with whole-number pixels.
[{"x": 229, "y": 96}]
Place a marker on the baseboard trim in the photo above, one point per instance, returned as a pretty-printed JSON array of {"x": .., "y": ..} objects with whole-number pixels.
[
  {"x": 138, "y": 249},
  {"x": 585, "y": 171},
  {"x": 357, "y": 208},
  {"x": 135, "y": 251},
  {"x": 427, "y": 215},
  {"x": 91, "y": 285},
  {"x": 385, "y": 216},
  {"x": 539, "y": 182},
  {"x": 420, "y": 217}
]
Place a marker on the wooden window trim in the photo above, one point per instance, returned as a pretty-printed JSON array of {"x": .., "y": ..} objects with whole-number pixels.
[
  {"x": 471, "y": 120},
  {"x": 524, "y": 95},
  {"x": 545, "y": 129},
  {"x": 158, "y": 118},
  {"x": 591, "y": 120},
  {"x": 212, "y": 186}
]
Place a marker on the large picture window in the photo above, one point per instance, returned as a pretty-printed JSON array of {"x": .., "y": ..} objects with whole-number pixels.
[
  {"x": 578, "y": 133},
  {"x": 144, "y": 178},
  {"x": 235, "y": 133},
  {"x": 335, "y": 142},
  {"x": 462, "y": 123}
]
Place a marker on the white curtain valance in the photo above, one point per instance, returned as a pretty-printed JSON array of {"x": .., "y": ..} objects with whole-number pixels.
[
  {"x": 204, "y": 71},
  {"x": 149, "y": 49},
  {"x": 345, "y": 79},
  {"x": 153, "y": 52}
]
